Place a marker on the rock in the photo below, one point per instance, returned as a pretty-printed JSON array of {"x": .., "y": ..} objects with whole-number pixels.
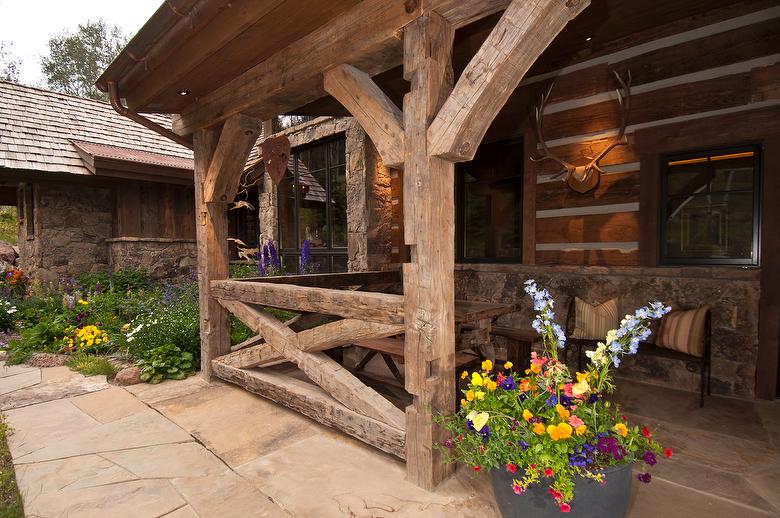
[
  {"x": 128, "y": 376},
  {"x": 7, "y": 253},
  {"x": 47, "y": 360}
]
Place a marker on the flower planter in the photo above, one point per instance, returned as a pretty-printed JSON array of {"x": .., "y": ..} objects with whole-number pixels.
[{"x": 591, "y": 499}]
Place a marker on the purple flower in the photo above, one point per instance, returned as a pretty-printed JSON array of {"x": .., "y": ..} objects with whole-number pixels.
[
  {"x": 609, "y": 446},
  {"x": 551, "y": 401},
  {"x": 592, "y": 399},
  {"x": 508, "y": 383},
  {"x": 649, "y": 458},
  {"x": 266, "y": 258},
  {"x": 522, "y": 397},
  {"x": 260, "y": 263},
  {"x": 447, "y": 443},
  {"x": 485, "y": 432},
  {"x": 306, "y": 265},
  {"x": 523, "y": 445},
  {"x": 514, "y": 424},
  {"x": 275, "y": 261},
  {"x": 644, "y": 477}
]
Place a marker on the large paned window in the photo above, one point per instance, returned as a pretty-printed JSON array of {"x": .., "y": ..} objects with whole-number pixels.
[
  {"x": 710, "y": 207},
  {"x": 313, "y": 206},
  {"x": 489, "y": 198}
]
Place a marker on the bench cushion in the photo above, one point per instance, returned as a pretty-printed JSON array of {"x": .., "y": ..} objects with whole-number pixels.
[
  {"x": 684, "y": 331},
  {"x": 594, "y": 321}
]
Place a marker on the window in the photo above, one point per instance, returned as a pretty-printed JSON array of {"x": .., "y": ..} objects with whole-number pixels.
[
  {"x": 313, "y": 206},
  {"x": 710, "y": 207},
  {"x": 489, "y": 196}
]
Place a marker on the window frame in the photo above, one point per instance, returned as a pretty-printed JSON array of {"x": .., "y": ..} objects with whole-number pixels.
[
  {"x": 331, "y": 251},
  {"x": 665, "y": 158},
  {"x": 460, "y": 208}
]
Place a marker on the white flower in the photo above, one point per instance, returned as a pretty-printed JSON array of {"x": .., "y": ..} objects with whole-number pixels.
[{"x": 611, "y": 336}]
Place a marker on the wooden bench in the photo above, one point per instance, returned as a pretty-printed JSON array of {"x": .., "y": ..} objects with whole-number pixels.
[
  {"x": 392, "y": 349},
  {"x": 524, "y": 337}
]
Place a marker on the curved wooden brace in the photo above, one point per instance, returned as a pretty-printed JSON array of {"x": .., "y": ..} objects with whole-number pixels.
[{"x": 238, "y": 136}]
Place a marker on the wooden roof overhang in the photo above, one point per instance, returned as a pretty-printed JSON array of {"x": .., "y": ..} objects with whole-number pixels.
[{"x": 293, "y": 54}]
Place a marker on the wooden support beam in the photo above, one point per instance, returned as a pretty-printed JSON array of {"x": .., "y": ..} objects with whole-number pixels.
[
  {"x": 292, "y": 77},
  {"x": 381, "y": 119},
  {"x": 238, "y": 136},
  {"x": 211, "y": 231},
  {"x": 526, "y": 28},
  {"x": 429, "y": 227},
  {"x": 311, "y": 401},
  {"x": 253, "y": 356},
  {"x": 344, "y": 332},
  {"x": 372, "y": 307},
  {"x": 333, "y": 280},
  {"x": 322, "y": 370}
]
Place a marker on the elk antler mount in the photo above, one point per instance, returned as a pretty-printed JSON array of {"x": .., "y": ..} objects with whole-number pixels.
[{"x": 584, "y": 178}]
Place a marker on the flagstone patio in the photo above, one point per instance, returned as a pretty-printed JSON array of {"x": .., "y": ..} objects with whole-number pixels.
[{"x": 85, "y": 448}]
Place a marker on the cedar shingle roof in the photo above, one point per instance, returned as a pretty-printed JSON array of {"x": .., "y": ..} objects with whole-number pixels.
[{"x": 37, "y": 127}]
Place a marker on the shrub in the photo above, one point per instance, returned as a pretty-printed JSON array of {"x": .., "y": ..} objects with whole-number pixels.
[
  {"x": 166, "y": 361},
  {"x": 239, "y": 332},
  {"x": 178, "y": 324},
  {"x": 128, "y": 279},
  {"x": 91, "y": 365},
  {"x": 242, "y": 270},
  {"x": 8, "y": 315}
]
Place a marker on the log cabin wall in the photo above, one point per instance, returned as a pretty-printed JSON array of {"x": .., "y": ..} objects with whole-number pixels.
[{"x": 708, "y": 81}]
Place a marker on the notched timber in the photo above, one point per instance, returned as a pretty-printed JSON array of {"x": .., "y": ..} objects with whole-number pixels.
[
  {"x": 312, "y": 402},
  {"x": 372, "y": 307},
  {"x": 381, "y": 119},
  {"x": 238, "y": 136},
  {"x": 524, "y": 31}
]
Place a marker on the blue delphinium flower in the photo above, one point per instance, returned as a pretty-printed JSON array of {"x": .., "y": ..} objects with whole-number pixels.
[
  {"x": 260, "y": 264},
  {"x": 276, "y": 262},
  {"x": 544, "y": 323},
  {"x": 305, "y": 262}
]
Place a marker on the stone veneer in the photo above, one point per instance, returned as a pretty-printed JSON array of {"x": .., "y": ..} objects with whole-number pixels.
[
  {"x": 161, "y": 257},
  {"x": 72, "y": 223},
  {"x": 369, "y": 209},
  {"x": 733, "y": 294}
]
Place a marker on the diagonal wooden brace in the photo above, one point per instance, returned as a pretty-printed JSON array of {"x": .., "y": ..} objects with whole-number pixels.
[{"x": 238, "y": 136}]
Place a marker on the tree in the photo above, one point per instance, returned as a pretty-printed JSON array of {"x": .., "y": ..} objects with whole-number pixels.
[
  {"x": 9, "y": 63},
  {"x": 76, "y": 60}
]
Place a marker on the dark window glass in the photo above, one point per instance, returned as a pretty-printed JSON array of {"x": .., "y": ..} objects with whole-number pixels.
[
  {"x": 313, "y": 206},
  {"x": 710, "y": 208},
  {"x": 489, "y": 204}
]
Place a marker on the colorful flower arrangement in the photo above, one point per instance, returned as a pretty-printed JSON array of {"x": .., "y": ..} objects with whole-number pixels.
[
  {"x": 546, "y": 426},
  {"x": 86, "y": 338}
]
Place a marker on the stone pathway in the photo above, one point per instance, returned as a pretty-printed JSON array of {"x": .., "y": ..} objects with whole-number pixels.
[{"x": 185, "y": 449}]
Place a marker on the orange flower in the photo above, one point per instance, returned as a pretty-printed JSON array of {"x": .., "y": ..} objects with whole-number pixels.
[
  {"x": 621, "y": 429},
  {"x": 561, "y": 431},
  {"x": 539, "y": 429}
]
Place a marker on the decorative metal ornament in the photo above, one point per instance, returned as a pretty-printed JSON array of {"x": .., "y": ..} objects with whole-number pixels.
[{"x": 276, "y": 152}]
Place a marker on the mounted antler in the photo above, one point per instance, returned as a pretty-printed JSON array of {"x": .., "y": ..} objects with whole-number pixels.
[{"x": 584, "y": 178}]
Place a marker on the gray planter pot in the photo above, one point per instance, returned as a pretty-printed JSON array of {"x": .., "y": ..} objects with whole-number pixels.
[{"x": 591, "y": 499}]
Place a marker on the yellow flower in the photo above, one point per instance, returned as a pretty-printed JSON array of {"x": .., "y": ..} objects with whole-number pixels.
[
  {"x": 479, "y": 395},
  {"x": 470, "y": 395},
  {"x": 621, "y": 429},
  {"x": 83, "y": 302},
  {"x": 490, "y": 384},
  {"x": 487, "y": 365},
  {"x": 508, "y": 365},
  {"x": 463, "y": 402},
  {"x": 476, "y": 379},
  {"x": 480, "y": 420},
  {"x": 581, "y": 429},
  {"x": 535, "y": 368},
  {"x": 580, "y": 388},
  {"x": 527, "y": 414},
  {"x": 561, "y": 431},
  {"x": 463, "y": 375},
  {"x": 562, "y": 411},
  {"x": 539, "y": 429},
  {"x": 125, "y": 327},
  {"x": 582, "y": 377}
]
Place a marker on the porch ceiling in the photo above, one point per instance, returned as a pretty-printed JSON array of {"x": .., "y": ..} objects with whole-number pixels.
[{"x": 198, "y": 46}]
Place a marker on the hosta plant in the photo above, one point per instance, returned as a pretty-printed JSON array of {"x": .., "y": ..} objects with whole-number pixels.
[
  {"x": 544, "y": 424},
  {"x": 166, "y": 361}
]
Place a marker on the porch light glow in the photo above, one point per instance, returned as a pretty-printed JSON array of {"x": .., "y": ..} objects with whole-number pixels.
[{"x": 183, "y": 92}]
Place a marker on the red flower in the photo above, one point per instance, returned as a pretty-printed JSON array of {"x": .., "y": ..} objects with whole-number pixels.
[
  {"x": 460, "y": 437},
  {"x": 668, "y": 453},
  {"x": 557, "y": 495},
  {"x": 646, "y": 432},
  {"x": 565, "y": 508},
  {"x": 511, "y": 468},
  {"x": 548, "y": 472},
  {"x": 477, "y": 468}
]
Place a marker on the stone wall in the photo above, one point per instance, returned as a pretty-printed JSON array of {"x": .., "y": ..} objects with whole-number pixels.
[
  {"x": 72, "y": 223},
  {"x": 161, "y": 257},
  {"x": 733, "y": 294}
]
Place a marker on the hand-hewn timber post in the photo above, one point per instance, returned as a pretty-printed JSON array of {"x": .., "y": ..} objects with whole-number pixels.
[
  {"x": 212, "y": 237},
  {"x": 429, "y": 229}
]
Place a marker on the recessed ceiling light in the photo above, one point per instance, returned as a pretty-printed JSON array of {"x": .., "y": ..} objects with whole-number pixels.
[
  {"x": 588, "y": 38},
  {"x": 184, "y": 92}
]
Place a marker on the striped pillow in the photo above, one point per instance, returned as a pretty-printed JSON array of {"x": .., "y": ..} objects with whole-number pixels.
[
  {"x": 594, "y": 321},
  {"x": 684, "y": 331}
]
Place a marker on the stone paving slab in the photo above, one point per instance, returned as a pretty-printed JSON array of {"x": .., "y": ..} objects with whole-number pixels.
[
  {"x": 13, "y": 382},
  {"x": 53, "y": 383}
]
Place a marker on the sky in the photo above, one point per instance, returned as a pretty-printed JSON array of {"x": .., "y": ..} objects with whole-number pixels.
[{"x": 28, "y": 24}]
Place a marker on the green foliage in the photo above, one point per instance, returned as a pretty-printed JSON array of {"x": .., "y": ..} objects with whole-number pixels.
[
  {"x": 11, "y": 504},
  {"x": 76, "y": 60},
  {"x": 166, "y": 361},
  {"x": 9, "y": 66},
  {"x": 91, "y": 365},
  {"x": 177, "y": 324},
  {"x": 128, "y": 279},
  {"x": 243, "y": 270},
  {"x": 8, "y": 222},
  {"x": 8, "y": 315},
  {"x": 239, "y": 332}
]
